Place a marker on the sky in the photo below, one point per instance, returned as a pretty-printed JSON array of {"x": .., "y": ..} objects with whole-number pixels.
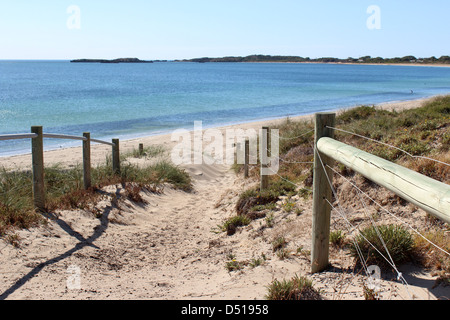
[{"x": 183, "y": 29}]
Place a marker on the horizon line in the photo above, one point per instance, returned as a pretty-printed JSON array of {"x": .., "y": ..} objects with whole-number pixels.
[{"x": 227, "y": 56}]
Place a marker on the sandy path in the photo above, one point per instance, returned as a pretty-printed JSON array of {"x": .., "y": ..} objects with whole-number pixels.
[
  {"x": 169, "y": 248},
  {"x": 166, "y": 249},
  {"x": 140, "y": 252}
]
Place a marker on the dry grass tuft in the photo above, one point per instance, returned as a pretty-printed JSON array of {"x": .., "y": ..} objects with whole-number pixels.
[{"x": 297, "y": 288}]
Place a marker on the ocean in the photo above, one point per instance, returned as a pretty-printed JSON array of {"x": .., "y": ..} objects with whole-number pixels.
[{"x": 133, "y": 100}]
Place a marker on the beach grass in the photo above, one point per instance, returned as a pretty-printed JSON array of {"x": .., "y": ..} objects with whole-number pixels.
[
  {"x": 420, "y": 132},
  {"x": 64, "y": 188},
  {"x": 150, "y": 151}
]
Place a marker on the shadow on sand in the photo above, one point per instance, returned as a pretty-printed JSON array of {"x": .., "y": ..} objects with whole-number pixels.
[{"x": 83, "y": 242}]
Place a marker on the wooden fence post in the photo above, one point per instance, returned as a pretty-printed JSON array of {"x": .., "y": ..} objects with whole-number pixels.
[
  {"x": 141, "y": 149},
  {"x": 264, "y": 146},
  {"x": 116, "y": 156},
  {"x": 246, "y": 157},
  {"x": 37, "y": 149},
  {"x": 321, "y": 193},
  {"x": 87, "y": 160}
]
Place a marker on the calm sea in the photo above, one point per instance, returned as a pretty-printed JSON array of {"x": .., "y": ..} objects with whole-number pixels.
[{"x": 132, "y": 100}]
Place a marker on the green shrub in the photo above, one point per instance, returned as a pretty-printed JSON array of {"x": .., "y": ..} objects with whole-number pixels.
[
  {"x": 254, "y": 198},
  {"x": 397, "y": 239},
  {"x": 278, "y": 243},
  {"x": 297, "y": 288},
  {"x": 234, "y": 265},
  {"x": 167, "y": 172},
  {"x": 358, "y": 113},
  {"x": 337, "y": 238},
  {"x": 233, "y": 223}
]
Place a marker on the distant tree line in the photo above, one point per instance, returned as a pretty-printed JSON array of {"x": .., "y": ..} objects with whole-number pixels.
[{"x": 365, "y": 59}]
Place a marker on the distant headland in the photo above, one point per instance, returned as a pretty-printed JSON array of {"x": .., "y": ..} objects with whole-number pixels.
[
  {"x": 120, "y": 60},
  {"x": 296, "y": 59}
]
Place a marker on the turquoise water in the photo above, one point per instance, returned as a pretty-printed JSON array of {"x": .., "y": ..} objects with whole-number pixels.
[{"x": 132, "y": 100}]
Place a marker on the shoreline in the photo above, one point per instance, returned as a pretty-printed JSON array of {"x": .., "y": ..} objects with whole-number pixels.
[
  {"x": 440, "y": 65},
  {"x": 72, "y": 156},
  {"x": 304, "y": 62}
]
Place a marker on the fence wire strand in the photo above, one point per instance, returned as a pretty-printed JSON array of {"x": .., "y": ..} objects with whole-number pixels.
[
  {"x": 292, "y": 138},
  {"x": 389, "y": 145},
  {"x": 390, "y": 213}
]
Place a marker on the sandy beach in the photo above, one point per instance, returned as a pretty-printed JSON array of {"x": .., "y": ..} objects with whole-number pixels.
[
  {"x": 170, "y": 247},
  {"x": 439, "y": 65},
  {"x": 72, "y": 156}
]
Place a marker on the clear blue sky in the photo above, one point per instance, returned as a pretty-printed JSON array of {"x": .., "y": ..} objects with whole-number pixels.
[{"x": 176, "y": 29}]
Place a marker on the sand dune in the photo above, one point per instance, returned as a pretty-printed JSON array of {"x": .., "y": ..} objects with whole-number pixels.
[{"x": 170, "y": 248}]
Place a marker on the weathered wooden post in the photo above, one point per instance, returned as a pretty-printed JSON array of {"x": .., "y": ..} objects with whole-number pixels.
[
  {"x": 87, "y": 160},
  {"x": 246, "y": 157},
  {"x": 116, "y": 156},
  {"x": 322, "y": 192},
  {"x": 264, "y": 158},
  {"x": 37, "y": 150},
  {"x": 141, "y": 149}
]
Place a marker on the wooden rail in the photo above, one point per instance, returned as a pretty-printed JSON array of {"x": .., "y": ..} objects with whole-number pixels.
[
  {"x": 428, "y": 194},
  {"x": 37, "y": 152},
  {"x": 17, "y": 136}
]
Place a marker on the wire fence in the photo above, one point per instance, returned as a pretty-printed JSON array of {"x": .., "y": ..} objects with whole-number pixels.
[
  {"x": 37, "y": 151},
  {"x": 51, "y": 136},
  {"x": 336, "y": 207},
  {"x": 389, "y": 145}
]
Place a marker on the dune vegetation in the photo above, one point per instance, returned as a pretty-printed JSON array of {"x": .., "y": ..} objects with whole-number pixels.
[
  {"x": 64, "y": 187},
  {"x": 423, "y": 131}
]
